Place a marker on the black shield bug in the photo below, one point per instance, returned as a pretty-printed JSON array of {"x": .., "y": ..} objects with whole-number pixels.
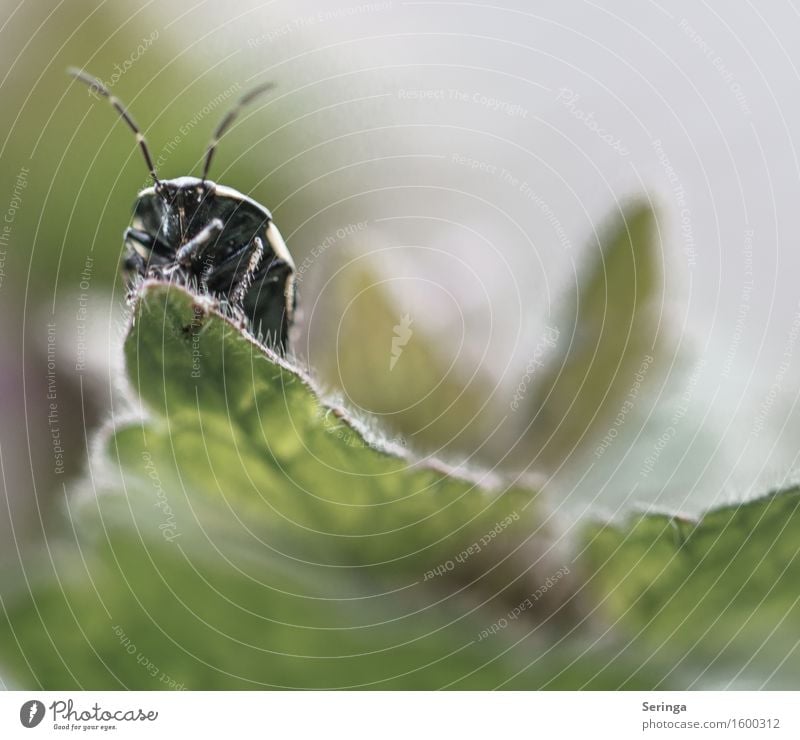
[{"x": 210, "y": 238}]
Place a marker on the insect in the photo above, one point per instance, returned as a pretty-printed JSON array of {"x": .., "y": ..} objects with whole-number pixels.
[{"x": 209, "y": 237}]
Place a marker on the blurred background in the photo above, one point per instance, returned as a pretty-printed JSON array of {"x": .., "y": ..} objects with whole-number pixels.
[{"x": 529, "y": 237}]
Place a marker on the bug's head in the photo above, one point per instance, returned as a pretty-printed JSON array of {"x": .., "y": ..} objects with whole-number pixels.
[{"x": 185, "y": 192}]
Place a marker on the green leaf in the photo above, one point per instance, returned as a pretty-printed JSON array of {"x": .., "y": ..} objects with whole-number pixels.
[
  {"x": 244, "y": 426},
  {"x": 429, "y": 398},
  {"x": 609, "y": 331},
  {"x": 717, "y": 598},
  {"x": 245, "y": 535}
]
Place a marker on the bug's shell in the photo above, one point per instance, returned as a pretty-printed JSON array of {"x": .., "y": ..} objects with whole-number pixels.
[{"x": 270, "y": 301}]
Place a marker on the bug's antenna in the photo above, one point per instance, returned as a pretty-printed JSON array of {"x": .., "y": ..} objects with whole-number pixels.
[
  {"x": 229, "y": 118},
  {"x": 98, "y": 87}
]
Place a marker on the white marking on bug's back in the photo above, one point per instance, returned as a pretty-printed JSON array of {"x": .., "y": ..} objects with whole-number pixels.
[
  {"x": 288, "y": 295},
  {"x": 224, "y": 191},
  {"x": 278, "y": 245}
]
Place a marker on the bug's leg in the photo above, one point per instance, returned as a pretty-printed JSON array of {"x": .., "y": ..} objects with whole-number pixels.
[
  {"x": 243, "y": 283},
  {"x": 140, "y": 237},
  {"x": 145, "y": 256},
  {"x": 148, "y": 242},
  {"x": 270, "y": 302},
  {"x": 226, "y": 277},
  {"x": 271, "y": 305},
  {"x": 189, "y": 251},
  {"x": 134, "y": 263}
]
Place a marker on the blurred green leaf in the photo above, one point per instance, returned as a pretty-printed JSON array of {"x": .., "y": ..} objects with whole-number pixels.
[
  {"x": 428, "y": 400},
  {"x": 608, "y": 332},
  {"x": 716, "y": 598},
  {"x": 247, "y": 536}
]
